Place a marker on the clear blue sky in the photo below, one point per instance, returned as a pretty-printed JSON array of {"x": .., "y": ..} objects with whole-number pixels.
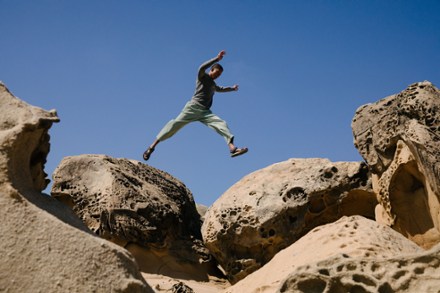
[{"x": 117, "y": 71}]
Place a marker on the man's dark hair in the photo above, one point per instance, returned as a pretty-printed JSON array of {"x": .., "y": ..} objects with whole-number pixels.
[{"x": 216, "y": 65}]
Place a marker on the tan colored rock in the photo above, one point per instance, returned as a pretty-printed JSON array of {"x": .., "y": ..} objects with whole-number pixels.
[
  {"x": 44, "y": 247},
  {"x": 202, "y": 209},
  {"x": 271, "y": 208},
  {"x": 25, "y": 141},
  {"x": 416, "y": 272},
  {"x": 141, "y": 208},
  {"x": 399, "y": 138},
  {"x": 353, "y": 254},
  {"x": 162, "y": 283}
]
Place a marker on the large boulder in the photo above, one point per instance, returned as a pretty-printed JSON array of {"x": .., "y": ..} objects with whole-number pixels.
[
  {"x": 354, "y": 254},
  {"x": 44, "y": 247},
  {"x": 271, "y": 208},
  {"x": 399, "y": 138},
  {"x": 144, "y": 209}
]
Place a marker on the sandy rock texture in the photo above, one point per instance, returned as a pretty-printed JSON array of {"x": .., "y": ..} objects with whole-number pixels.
[
  {"x": 354, "y": 254},
  {"x": 44, "y": 247},
  {"x": 272, "y": 208},
  {"x": 399, "y": 138},
  {"x": 141, "y": 208},
  {"x": 164, "y": 284}
]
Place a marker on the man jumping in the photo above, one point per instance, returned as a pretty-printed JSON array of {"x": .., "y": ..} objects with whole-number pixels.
[{"x": 198, "y": 109}]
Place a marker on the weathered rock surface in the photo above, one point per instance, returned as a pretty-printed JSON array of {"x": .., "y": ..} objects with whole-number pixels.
[
  {"x": 270, "y": 209},
  {"x": 290, "y": 227},
  {"x": 353, "y": 254},
  {"x": 44, "y": 247},
  {"x": 139, "y": 207},
  {"x": 399, "y": 138},
  {"x": 166, "y": 284}
]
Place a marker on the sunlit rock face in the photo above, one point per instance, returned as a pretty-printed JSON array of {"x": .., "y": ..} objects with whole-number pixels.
[
  {"x": 141, "y": 208},
  {"x": 25, "y": 141},
  {"x": 44, "y": 247},
  {"x": 399, "y": 138},
  {"x": 353, "y": 254},
  {"x": 271, "y": 208}
]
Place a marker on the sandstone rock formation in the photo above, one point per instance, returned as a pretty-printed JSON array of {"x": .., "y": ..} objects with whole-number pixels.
[
  {"x": 44, "y": 247},
  {"x": 353, "y": 254},
  {"x": 399, "y": 138},
  {"x": 271, "y": 208},
  {"x": 139, "y": 207},
  {"x": 291, "y": 227}
]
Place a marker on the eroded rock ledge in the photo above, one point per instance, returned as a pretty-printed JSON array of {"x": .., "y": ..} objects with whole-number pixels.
[
  {"x": 271, "y": 208},
  {"x": 25, "y": 142},
  {"x": 399, "y": 138},
  {"x": 139, "y": 207},
  {"x": 353, "y": 254},
  {"x": 43, "y": 245}
]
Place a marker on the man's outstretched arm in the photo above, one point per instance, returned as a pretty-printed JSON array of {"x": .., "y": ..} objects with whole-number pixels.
[
  {"x": 226, "y": 88},
  {"x": 210, "y": 62}
]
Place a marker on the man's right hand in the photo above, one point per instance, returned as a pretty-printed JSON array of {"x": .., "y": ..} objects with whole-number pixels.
[{"x": 221, "y": 54}]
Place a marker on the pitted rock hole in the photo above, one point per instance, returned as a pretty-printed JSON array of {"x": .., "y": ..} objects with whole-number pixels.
[
  {"x": 329, "y": 172},
  {"x": 317, "y": 205},
  {"x": 311, "y": 285},
  {"x": 263, "y": 233},
  {"x": 267, "y": 234},
  {"x": 409, "y": 201},
  {"x": 296, "y": 193},
  {"x": 293, "y": 219}
]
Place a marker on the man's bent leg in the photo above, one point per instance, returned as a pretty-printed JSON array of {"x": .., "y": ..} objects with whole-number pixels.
[{"x": 219, "y": 125}]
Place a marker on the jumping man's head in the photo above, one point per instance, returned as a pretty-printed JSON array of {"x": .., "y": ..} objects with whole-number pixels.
[{"x": 216, "y": 71}]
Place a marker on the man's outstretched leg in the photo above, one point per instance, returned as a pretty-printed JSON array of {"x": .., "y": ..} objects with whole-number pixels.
[
  {"x": 187, "y": 115},
  {"x": 221, "y": 127}
]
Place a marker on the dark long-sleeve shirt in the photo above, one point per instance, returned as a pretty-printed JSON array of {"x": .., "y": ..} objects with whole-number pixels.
[{"x": 206, "y": 86}]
